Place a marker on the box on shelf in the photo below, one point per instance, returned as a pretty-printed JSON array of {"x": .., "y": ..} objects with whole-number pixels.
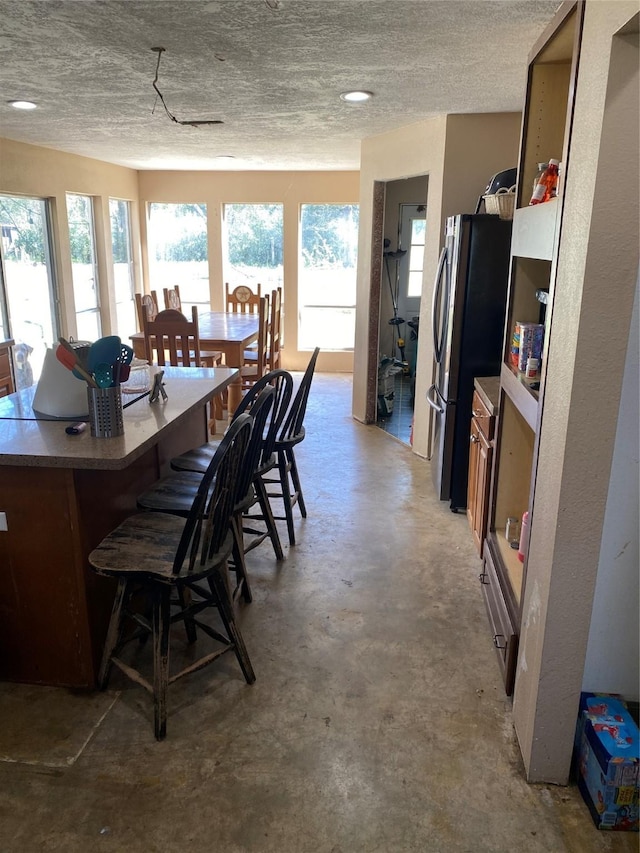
[
  {"x": 608, "y": 761},
  {"x": 526, "y": 342}
]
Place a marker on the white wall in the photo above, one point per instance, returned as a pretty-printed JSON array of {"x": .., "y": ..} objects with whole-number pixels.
[{"x": 612, "y": 664}]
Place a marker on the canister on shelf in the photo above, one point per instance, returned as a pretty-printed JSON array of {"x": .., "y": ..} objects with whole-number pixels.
[{"x": 513, "y": 532}]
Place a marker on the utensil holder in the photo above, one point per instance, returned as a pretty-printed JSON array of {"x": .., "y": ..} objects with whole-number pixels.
[{"x": 105, "y": 412}]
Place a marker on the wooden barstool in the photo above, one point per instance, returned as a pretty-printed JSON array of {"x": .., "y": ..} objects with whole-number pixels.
[
  {"x": 180, "y": 564},
  {"x": 175, "y": 493}
]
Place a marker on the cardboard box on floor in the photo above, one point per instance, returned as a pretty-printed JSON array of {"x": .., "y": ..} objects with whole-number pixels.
[{"x": 608, "y": 762}]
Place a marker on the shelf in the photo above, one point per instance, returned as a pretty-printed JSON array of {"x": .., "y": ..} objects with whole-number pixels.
[
  {"x": 523, "y": 398},
  {"x": 534, "y": 230},
  {"x": 514, "y": 568}
]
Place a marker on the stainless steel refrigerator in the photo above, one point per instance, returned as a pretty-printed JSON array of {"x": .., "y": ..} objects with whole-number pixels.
[{"x": 468, "y": 312}]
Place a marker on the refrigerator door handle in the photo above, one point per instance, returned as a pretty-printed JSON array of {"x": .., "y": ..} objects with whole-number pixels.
[
  {"x": 437, "y": 309},
  {"x": 435, "y": 404}
]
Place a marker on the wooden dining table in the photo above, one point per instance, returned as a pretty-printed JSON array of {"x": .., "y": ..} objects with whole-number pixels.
[{"x": 228, "y": 332}]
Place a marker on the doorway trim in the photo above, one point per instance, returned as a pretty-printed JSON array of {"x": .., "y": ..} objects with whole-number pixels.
[{"x": 375, "y": 284}]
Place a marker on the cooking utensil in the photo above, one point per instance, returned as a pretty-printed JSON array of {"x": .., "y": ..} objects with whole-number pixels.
[
  {"x": 103, "y": 375},
  {"x": 121, "y": 365},
  {"x": 67, "y": 356},
  {"x": 126, "y": 354},
  {"x": 104, "y": 351}
]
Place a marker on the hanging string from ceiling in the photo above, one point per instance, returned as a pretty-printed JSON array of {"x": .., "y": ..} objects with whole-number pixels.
[{"x": 192, "y": 122}]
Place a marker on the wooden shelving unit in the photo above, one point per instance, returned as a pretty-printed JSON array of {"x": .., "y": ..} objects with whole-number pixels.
[{"x": 536, "y": 234}]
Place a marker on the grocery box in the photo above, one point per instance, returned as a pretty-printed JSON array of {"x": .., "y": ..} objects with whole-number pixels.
[
  {"x": 608, "y": 761},
  {"x": 526, "y": 342}
]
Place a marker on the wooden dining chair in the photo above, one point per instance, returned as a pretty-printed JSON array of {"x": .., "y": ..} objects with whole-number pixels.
[
  {"x": 255, "y": 361},
  {"x": 275, "y": 334},
  {"x": 242, "y": 300},
  {"x": 172, "y": 298},
  {"x": 173, "y": 339},
  {"x": 199, "y": 458},
  {"x": 146, "y": 306},
  {"x": 170, "y": 569}
]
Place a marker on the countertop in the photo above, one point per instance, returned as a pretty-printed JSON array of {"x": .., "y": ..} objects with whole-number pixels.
[
  {"x": 488, "y": 387},
  {"x": 26, "y": 440}
]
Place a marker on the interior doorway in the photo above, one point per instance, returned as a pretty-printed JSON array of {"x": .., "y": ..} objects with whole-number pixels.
[{"x": 404, "y": 229}]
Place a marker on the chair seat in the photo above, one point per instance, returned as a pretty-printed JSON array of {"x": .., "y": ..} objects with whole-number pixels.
[
  {"x": 173, "y": 493},
  {"x": 211, "y": 355},
  {"x": 195, "y": 460},
  {"x": 145, "y": 545}
]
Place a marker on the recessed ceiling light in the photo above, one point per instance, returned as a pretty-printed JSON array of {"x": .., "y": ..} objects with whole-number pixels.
[
  {"x": 356, "y": 97},
  {"x": 22, "y": 105}
]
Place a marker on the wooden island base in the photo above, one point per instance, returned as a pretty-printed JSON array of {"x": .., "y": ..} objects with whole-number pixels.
[{"x": 54, "y": 610}]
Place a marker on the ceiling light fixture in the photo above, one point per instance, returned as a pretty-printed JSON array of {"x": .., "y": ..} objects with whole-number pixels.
[
  {"x": 356, "y": 97},
  {"x": 194, "y": 122},
  {"x": 23, "y": 105}
]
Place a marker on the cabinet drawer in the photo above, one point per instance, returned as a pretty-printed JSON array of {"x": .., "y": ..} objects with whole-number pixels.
[
  {"x": 503, "y": 632},
  {"x": 483, "y": 417}
]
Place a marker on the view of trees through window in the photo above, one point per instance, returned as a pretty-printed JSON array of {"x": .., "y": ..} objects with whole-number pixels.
[
  {"x": 83, "y": 266},
  {"x": 27, "y": 298},
  {"x": 327, "y": 276},
  {"x": 177, "y": 241},
  {"x": 122, "y": 266},
  {"x": 253, "y": 236}
]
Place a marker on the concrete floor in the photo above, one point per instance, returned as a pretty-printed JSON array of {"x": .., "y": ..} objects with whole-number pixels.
[{"x": 377, "y": 723}]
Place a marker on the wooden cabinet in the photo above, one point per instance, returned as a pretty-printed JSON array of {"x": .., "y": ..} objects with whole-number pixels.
[
  {"x": 480, "y": 461},
  {"x": 503, "y": 626},
  {"x": 7, "y": 385},
  {"x": 536, "y": 233}
]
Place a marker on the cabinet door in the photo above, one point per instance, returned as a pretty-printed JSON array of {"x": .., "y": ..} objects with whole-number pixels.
[
  {"x": 474, "y": 474},
  {"x": 480, "y": 459}
]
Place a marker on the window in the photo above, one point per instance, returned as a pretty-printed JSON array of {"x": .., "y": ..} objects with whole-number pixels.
[
  {"x": 412, "y": 236},
  {"x": 253, "y": 236},
  {"x": 327, "y": 276},
  {"x": 177, "y": 240},
  {"x": 119, "y": 213},
  {"x": 27, "y": 286},
  {"x": 83, "y": 266}
]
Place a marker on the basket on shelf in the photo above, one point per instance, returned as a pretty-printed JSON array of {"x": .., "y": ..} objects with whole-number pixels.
[{"x": 501, "y": 203}]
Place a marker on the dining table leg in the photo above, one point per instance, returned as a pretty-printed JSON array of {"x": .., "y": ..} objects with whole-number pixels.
[{"x": 234, "y": 359}]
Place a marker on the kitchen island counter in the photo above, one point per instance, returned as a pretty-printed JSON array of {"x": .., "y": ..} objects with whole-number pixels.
[{"x": 60, "y": 495}]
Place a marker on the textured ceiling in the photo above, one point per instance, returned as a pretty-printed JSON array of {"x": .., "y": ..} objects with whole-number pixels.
[{"x": 272, "y": 75}]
